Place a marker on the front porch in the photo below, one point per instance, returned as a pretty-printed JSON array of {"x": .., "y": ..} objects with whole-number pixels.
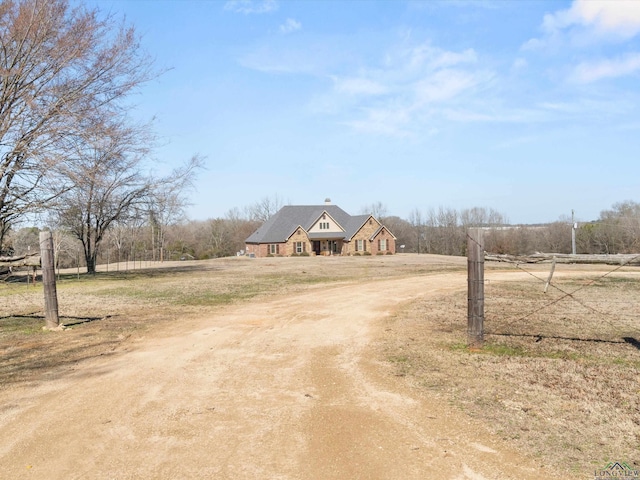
[{"x": 327, "y": 246}]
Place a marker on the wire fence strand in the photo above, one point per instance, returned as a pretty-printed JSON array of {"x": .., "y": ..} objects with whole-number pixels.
[{"x": 568, "y": 295}]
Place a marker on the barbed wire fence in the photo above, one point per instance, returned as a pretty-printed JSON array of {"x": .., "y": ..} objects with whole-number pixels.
[
  {"x": 581, "y": 305},
  {"x": 575, "y": 304}
]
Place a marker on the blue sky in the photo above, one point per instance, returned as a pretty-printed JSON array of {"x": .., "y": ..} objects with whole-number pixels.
[{"x": 527, "y": 107}]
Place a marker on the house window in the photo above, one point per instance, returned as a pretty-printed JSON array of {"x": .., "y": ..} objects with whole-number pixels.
[
  {"x": 361, "y": 246},
  {"x": 301, "y": 247},
  {"x": 274, "y": 249},
  {"x": 324, "y": 225},
  {"x": 382, "y": 244}
]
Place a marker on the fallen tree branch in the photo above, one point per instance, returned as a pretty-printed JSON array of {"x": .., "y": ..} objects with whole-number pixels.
[
  {"x": 618, "y": 259},
  {"x": 32, "y": 260}
]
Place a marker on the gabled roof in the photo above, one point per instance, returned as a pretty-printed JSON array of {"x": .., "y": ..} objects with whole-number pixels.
[
  {"x": 355, "y": 223},
  {"x": 284, "y": 223},
  {"x": 382, "y": 227}
]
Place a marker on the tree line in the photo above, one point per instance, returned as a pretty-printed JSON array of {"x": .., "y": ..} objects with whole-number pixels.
[{"x": 441, "y": 231}]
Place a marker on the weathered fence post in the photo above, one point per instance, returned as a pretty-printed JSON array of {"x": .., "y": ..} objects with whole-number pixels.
[
  {"x": 553, "y": 267},
  {"x": 49, "y": 281},
  {"x": 475, "y": 280}
]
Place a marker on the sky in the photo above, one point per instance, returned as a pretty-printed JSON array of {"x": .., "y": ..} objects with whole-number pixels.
[{"x": 530, "y": 108}]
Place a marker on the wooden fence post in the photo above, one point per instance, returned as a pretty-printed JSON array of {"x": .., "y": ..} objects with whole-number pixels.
[
  {"x": 475, "y": 281},
  {"x": 49, "y": 281},
  {"x": 553, "y": 267}
]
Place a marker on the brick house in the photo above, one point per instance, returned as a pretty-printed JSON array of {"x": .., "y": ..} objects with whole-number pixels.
[{"x": 320, "y": 230}]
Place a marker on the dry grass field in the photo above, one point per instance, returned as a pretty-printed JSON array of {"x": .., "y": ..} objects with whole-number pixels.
[
  {"x": 126, "y": 302},
  {"x": 558, "y": 378},
  {"x": 559, "y": 375}
]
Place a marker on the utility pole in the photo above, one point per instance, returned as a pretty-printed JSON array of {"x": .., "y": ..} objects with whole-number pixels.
[{"x": 574, "y": 226}]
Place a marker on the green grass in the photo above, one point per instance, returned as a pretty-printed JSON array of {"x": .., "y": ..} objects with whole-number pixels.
[
  {"x": 21, "y": 325},
  {"x": 502, "y": 350},
  {"x": 610, "y": 280}
]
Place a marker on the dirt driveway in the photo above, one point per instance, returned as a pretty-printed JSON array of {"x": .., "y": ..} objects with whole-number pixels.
[{"x": 286, "y": 388}]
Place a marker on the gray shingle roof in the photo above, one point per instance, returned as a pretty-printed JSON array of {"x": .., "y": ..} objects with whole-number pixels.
[
  {"x": 284, "y": 223},
  {"x": 354, "y": 224}
]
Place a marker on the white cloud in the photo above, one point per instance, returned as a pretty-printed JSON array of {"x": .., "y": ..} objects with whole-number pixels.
[
  {"x": 618, "y": 17},
  {"x": 402, "y": 94},
  {"x": 445, "y": 85},
  {"x": 588, "y": 21},
  {"x": 410, "y": 87},
  {"x": 251, "y": 6},
  {"x": 290, "y": 26},
  {"x": 358, "y": 86},
  {"x": 468, "y": 116},
  {"x": 588, "y": 72},
  {"x": 426, "y": 56},
  {"x": 386, "y": 121}
]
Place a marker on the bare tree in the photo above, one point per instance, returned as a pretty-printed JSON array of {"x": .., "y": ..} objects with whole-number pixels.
[
  {"x": 617, "y": 230},
  {"x": 416, "y": 221},
  {"x": 377, "y": 209},
  {"x": 239, "y": 229},
  {"x": 106, "y": 179},
  {"x": 64, "y": 245},
  {"x": 58, "y": 65},
  {"x": 24, "y": 241},
  {"x": 264, "y": 209},
  {"x": 118, "y": 235},
  {"x": 481, "y": 217},
  {"x": 167, "y": 200}
]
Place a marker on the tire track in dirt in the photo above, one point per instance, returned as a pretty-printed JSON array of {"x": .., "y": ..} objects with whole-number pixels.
[{"x": 279, "y": 389}]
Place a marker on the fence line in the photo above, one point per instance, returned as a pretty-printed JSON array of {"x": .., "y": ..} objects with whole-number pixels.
[{"x": 520, "y": 263}]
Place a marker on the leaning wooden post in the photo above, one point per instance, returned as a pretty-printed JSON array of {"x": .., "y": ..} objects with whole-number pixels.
[
  {"x": 475, "y": 280},
  {"x": 553, "y": 267},
  {"x": 49, "y": 281}
]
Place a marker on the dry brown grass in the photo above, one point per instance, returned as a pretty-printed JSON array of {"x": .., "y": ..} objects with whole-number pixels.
[
  {"x": 559, "y": 374},
  {"x": 559, "y": 378},
  {"x": 108, "y": 311}
]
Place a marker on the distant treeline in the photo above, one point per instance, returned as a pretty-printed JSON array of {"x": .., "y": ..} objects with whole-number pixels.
[{"x": 441, "y": 231}]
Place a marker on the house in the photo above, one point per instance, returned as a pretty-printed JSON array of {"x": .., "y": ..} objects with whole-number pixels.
[{"x": 320, "y": 230}]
